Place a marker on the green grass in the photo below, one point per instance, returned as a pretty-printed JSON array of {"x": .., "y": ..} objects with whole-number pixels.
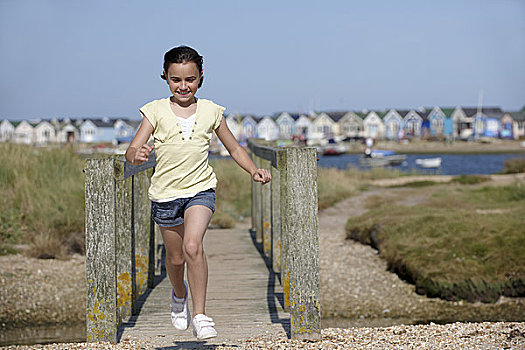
[
  {"x": 42, "y": 197},
  {"x": 417, "y": 184},
  {"x": 464, "y": 243},
  {"x": 470, "y": 179}
]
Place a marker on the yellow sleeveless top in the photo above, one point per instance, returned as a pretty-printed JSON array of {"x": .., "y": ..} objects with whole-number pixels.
[{"x": 182, "y": 163}]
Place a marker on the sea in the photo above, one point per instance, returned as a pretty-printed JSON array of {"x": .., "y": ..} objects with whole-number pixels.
[{"x": 451, "y": 164}]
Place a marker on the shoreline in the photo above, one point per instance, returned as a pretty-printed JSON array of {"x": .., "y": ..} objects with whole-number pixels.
[{"x": 436, "y": 147}]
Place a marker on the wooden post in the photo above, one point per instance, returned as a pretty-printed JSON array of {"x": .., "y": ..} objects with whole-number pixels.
[
  {"x": 257, "y": 203},
  {"x": 124, "y": 242},
  {"x": 101, "y": 272},
  {"x": 285, "y": 268},
  {"x": 276, "y": 220},
  {"x": 302, "y": 241},
  {"x": 266, "y": 213},
  {"x": 142, "y": 230}
]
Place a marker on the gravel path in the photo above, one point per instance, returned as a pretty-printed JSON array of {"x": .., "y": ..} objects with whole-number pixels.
[{"x": 457, "y": 336}]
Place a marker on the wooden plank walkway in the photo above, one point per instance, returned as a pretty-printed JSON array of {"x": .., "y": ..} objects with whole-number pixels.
[{"x": 244, "y": 297}]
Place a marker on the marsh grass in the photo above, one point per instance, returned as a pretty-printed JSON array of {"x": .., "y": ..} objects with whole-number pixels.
[
  {"x": 42, "y": 196},
  {"x": 470, "y": 179},
  {"x": 464, "y": 243},
  {"x": 233, "y": 192},
  {"x": 514, "y": 165},
  {"x": 422, "y": 183}
]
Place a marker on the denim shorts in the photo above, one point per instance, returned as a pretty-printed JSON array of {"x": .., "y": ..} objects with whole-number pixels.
[{"x": 168, "y": 214}]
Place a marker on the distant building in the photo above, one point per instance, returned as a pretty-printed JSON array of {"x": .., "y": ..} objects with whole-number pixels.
[
  {"x": 7, "y": 130},
  {"x": 97, "y": 130},
  {"x": 286, "y": 125},
  {"x": 268, "y": 129},
  {"x": 373, "y": 125},
  {"x": 24, "y": 133},
  {"x": 44, "y": 133},
  {"x": 393, "y": 125}
]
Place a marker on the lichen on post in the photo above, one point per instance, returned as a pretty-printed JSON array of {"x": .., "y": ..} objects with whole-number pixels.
[
  {"x": 101, "y": 310},
  {"x": 141, "y": 230},
  {"x": 124, "y": 249},
  {"x": 302, "y": 242}
]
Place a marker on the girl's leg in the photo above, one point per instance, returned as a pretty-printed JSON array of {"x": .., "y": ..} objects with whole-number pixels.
[
  {"x": 196, "y": 220},
  {"x": 173, "y": 238}
]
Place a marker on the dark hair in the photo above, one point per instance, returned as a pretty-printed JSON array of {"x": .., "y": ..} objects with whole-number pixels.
[{"x": 182, "y": 54}]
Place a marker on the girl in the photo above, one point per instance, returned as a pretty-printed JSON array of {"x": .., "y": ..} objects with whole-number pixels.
[{"x": 182, "y": 189}]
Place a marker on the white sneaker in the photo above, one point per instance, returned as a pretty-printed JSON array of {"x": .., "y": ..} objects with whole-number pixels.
[
  {"x": 203, "y": 327},
  {"x": 180, "y": 314}
]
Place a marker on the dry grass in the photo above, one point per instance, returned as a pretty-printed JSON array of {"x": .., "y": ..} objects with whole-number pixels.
[{"x": 42, "y": 196}]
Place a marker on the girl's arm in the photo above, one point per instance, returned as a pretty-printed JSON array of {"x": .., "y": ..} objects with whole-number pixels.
[
  {"x": 138, "y": 151},
  {"x": 239, "y": 154}
]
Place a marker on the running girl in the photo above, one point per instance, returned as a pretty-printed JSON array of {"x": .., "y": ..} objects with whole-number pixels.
[{"x": 182, "y": 190}]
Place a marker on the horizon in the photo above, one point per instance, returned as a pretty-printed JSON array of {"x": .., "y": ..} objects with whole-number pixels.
[{"x": 274, "y": 115}]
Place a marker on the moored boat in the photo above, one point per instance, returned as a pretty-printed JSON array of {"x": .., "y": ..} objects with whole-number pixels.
[
  {"x": 429, "y": 162},
  {"x": 382, "y": 158}
]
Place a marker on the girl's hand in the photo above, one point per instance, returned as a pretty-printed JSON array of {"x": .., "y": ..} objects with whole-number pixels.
[
  {"x": 262, "y": 175},
  {"x": 142, "y": 154}
]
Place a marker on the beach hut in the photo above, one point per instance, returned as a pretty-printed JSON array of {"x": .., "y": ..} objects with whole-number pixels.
[
  {"x": 286, "y": 125},
  {"x": 373, "y": 125},
  {"x": 44, "y": 133},
  {"x": 7, "y": 130},
  {"x": 25, "y": 133},
  {"x": 268, "y": 129},
  {"x": 351, "y": 125},
  {"x": 249, "y": 127},
  {"x": 324, "y": 125},
  {"x": 393, "y": 125},
  {"x": 413, "y": 123},
  {"x": 97, "y": 130}
]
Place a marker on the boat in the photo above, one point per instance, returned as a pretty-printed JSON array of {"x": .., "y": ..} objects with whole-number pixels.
[
  {"x": 429, "y": 162},
  {"x": 382, "y": 158},
  {"x": 333, "y": 148}
]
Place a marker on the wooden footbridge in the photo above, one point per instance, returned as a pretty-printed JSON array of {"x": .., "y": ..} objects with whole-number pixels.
[{"x": 262, "y": 280}]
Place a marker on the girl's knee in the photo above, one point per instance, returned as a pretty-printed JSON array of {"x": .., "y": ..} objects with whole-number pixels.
[
  {"x": 192, "y": 249},
  {"x": 175, "y": 260}
]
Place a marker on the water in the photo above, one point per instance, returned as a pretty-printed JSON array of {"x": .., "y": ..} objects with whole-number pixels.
[
  {"x": 451, "y": 164},
  {"x": 44, "y": 335}
]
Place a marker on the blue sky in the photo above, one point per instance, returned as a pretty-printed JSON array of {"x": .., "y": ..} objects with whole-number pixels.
[{"x": 103, "y": 58}]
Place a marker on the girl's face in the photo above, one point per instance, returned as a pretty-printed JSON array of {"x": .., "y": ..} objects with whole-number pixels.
[{"x": 183, "y": 80}]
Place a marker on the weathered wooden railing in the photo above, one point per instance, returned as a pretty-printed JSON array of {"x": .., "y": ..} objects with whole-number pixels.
[
  {"x": 120, "y": 243},
  {"x": 284, "y": 217}
]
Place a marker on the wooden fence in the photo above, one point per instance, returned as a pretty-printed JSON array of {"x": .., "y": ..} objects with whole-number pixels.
[
  {"x": 120, "y": 243},
  {"x": 121, "y": 254},
  {"x": 284, "y": 217}
]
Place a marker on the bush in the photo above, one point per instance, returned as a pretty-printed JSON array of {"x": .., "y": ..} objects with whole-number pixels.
[{"x": 514, "y": 165}]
